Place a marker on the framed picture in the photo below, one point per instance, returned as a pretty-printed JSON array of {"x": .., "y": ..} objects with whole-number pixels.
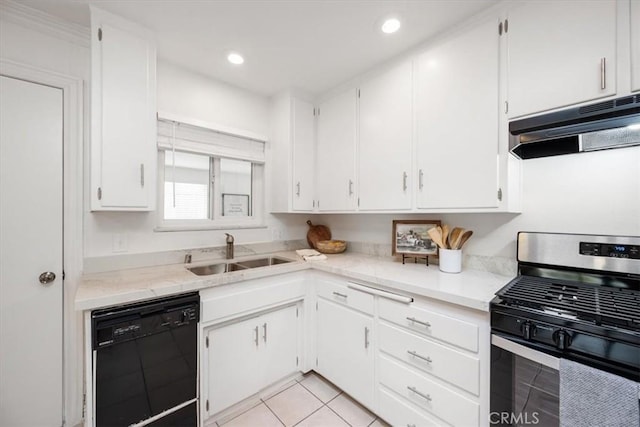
[
  {"x": 410, "y": 238},
  {"x": 235, "y": 204}
]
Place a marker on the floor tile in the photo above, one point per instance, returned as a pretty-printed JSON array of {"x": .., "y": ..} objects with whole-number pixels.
[
  {"x": 294, "y": 404},
  {"x": 320, "y": 387},
  {"x": 257, "y": 416},
  {"x": 351, "y": 412},
  {"x": 379, "y": 423},
  {"x": 324, "y": 417}
]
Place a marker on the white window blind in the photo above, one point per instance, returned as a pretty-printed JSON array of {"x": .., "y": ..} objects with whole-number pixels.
[{"x": 194, "y": 139}]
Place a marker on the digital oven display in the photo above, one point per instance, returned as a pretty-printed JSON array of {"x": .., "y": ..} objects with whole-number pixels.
[{"x": 612, "y": 250}]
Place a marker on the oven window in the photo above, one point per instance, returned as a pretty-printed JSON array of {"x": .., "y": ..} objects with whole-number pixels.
[{"x": 523, "y": 392}]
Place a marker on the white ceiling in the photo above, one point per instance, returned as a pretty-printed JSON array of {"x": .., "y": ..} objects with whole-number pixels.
[{"x": 309, "y": 45}]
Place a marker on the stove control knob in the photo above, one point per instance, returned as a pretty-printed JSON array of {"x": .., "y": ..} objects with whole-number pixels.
[
  {"x": 527, "y": 330},
  {"x": 562, "y": 339}
]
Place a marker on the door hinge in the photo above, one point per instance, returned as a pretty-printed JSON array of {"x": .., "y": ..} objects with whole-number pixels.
[
  {"x": 500, "y": 194},
  {"x": 99, "y": 193},
  {"x": 206, "y": 405},
  {"x": 506, "y": 107},
  {"x": 506, "y": 26},
  {"x": 500, "y": 28},
  {"x": 63, "y": 275},
  {"x": 207, "y": 342},
  {"x": 99, "y": 34},
  {"x": 84, "y": 405}
]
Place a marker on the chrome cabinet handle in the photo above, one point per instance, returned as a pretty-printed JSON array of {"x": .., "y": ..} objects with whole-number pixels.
[
  {"x": 264, "y": 336},
  {"x": 414, "y": 320},
  {"x": 420, "y": 179},
  {"x": 256, "y": 339},
  {"x": 603, "y": 73},
  {"x": 47, "y": 277},
  {"x": 298, "y": 189},
  {"x": 366, "y": 337},
  {"x": 350, "y": 187},
  {"x": 415, "y": 354},
  {"x": 338, "y": 294},
  {"x": 142, "y": 174},
  {"x": 404, "y": 181},
  {"x": 422, "y": 395}
]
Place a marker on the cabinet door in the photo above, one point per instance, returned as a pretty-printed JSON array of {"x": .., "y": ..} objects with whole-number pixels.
[
  {"x": 345, "y": 350},
  {"x": 303, "y": 130},
  {"x": 123, "y": 115},
  {"x": 336, "y": 152},
  {"x": 456, "y": 115},
  {"x": 231, "y": 363},
  {"x": 635, "y": 46},
  {"x": 560, "y": 53},
  {"x": 279, "y": 344},
  {"x": 385, "y": 140}
]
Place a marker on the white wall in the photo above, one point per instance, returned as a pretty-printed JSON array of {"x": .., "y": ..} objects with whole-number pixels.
[
  {"x": 593, "y": 193},
  {"x": 187, "y": 94}
]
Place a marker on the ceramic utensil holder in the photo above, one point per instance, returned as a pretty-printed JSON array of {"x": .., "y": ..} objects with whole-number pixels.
[{"x": 450, "y": 260}]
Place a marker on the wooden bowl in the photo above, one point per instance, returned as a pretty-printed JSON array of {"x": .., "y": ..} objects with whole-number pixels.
[{"x": 331, "y": 246}]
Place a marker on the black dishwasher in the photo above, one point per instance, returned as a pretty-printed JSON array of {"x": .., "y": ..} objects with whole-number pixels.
[{"x": 145, "y": 362}]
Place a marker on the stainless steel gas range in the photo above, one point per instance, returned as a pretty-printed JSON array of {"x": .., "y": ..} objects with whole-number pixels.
[{"x": 565, "y": 330}]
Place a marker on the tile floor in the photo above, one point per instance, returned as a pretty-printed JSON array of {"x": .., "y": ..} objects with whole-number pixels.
[{"x": 310, "y": 402}]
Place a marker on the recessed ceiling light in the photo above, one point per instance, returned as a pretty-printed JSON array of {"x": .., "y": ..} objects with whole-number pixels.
[
  {"x": 390, "y": 26},
  {"x": 235, "y": 58}
]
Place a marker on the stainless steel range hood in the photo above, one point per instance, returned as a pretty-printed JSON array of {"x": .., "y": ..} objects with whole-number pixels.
[{"x": 609, "y": 124}]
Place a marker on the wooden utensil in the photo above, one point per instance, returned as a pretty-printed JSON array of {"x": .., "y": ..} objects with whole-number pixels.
[
  {"x": 445, "y": 236},
  {"x": 454, "y": 236},
  {"x": 436, "y": 235},
  {"x": 317, "y": 233},
  {"x": 464, "y": 237}
]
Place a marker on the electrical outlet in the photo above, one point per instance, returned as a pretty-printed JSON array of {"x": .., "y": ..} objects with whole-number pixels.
[{"x": 120, "y": 243}]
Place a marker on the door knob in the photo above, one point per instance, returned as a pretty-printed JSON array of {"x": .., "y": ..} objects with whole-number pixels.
[{"x": 47, "y": 277}]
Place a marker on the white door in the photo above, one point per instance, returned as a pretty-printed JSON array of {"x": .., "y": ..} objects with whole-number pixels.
[
  {"x": 385, "y": 140},
  {"x": 345, "y": 350},
  {"x": 30, "y": 244},
  {"x": 635, "y": 46},
  {"x": 304, "y": 155},
  {"x": 279, "y": 344},
  {"x": 336, "y": 152}
]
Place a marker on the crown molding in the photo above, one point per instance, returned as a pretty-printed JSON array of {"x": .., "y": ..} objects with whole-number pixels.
[{"x": 46, "y": 23}]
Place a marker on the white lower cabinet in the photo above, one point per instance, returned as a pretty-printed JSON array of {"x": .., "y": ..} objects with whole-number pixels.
[{"x": 345, "y": 347}]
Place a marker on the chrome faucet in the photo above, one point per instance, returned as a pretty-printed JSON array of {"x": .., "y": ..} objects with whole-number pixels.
[
  {"x": 187, "y": 259},
  {"x": 229, "y": 246}
]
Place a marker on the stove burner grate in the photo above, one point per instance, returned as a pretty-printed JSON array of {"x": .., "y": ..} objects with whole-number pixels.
[{"x": 598, "y": 304}]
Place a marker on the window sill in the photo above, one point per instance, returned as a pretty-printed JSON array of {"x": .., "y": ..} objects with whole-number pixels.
[{"x": 204, "y": 226}]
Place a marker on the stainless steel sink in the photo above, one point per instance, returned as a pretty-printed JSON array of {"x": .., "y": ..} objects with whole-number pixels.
[{"x": 207, "y": 270}]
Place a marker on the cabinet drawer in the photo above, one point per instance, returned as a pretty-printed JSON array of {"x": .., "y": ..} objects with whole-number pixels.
[
  {"x": 341, "y": 294},
  {"x": 438, "y": 360},
  {"x": 427, "y": 394},
  {"x": 457, "y": 332},
  {"x": 247, "y": 299},
  {"x": 397, "y": 412}
]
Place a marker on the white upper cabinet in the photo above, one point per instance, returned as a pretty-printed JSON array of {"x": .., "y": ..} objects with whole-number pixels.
[
  {"x": 303, "y": 130},
  {"x": 560, "y": 53},
  {"x": 336, "y": 153},
  {"x": 292, "y": 162},
  {"x": 635, "y": 46},
  {"x": 457, "y": 121},
  {"x": 385, "y": 140},
  {"x": 123, "y": 114}
]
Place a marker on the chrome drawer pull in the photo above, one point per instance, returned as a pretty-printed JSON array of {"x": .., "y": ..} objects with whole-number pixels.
[
  {"x": 256, "y": 339},
  {"x": 415, "y": 354},
  {"x": 338, "y": 294},
  {"x": 265, "y": 332},
  {"x": 366, "y": 337},
  {"x": 414, "y": 320},
  {"x": 422, "y": 395}
]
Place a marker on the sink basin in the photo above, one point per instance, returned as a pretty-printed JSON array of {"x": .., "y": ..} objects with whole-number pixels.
[
  {"x": 207, "y": 270},
  {"x": 262, "y": 262}
]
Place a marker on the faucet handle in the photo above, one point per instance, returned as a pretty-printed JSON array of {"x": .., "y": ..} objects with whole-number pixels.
[{"x": 229, "y": 238}]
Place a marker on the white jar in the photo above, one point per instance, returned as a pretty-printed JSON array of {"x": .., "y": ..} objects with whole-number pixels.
[{"x": 450, "y": 260}]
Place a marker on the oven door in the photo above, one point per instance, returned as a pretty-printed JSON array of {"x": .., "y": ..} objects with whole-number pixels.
[{"x": 525, "y": 385}]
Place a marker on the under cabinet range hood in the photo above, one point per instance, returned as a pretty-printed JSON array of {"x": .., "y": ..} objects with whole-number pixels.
[{"x": 609, "y": 124}]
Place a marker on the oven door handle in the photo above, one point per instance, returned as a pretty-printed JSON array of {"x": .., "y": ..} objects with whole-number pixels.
[{"x": 526, "y": 352}]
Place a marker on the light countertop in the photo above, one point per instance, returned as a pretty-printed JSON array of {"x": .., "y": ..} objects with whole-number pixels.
[{"x": 470, "y": 288}]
